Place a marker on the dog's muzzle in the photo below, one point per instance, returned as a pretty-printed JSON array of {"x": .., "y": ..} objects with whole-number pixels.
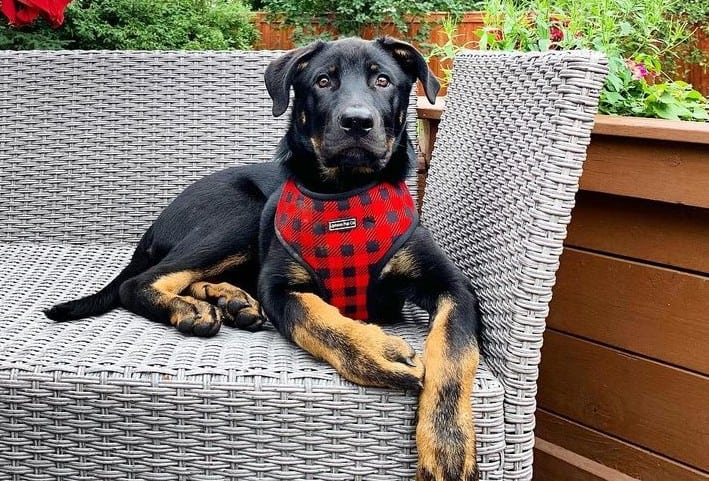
[{"x": 356, "y": 137}]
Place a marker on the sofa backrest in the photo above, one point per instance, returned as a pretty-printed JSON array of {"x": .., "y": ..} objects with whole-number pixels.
[{"x": 94, "y": 144}]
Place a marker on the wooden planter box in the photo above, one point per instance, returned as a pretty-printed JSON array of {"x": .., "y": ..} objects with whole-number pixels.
[{"x": 624, "y": 378}]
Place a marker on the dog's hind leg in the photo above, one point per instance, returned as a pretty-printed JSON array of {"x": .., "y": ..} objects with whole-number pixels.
[
  {"x": 239, "y": 309},
  {"x": 162, "y": 292},
  {"x": 157, "y": 295}
]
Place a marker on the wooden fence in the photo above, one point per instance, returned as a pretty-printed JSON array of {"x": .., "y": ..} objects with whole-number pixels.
[
  {"x": 693, "y": 73},
  {"x": 275, "y": 36},
  {"x": 624, "y": 378}
]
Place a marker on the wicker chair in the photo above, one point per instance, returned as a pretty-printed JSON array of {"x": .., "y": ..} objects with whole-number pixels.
[{"x": 94, "y": 144}]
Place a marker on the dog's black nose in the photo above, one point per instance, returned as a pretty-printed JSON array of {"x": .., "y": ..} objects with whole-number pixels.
[{"x": 356, "y": 121}]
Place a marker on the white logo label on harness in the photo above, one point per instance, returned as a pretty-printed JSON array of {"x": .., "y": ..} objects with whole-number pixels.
[{"x": 341, "y": 224}]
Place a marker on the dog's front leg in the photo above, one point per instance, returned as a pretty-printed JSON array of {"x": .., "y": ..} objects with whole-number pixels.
[
  {"x": 362, "y": 353},
  {"x": 444, "y": 434}
]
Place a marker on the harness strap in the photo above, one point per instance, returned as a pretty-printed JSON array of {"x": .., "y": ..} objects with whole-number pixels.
[{"x": 345, "y": 240}]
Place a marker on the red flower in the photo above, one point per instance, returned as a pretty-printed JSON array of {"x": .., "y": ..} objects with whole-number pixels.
[{"x": 22, "y": 12}]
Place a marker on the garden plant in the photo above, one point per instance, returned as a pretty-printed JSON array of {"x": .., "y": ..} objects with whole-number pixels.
[
  {"x": 331, "y": 18},
  {"x": 639, "y": 37},
  {"x": 140, "y": 25}
]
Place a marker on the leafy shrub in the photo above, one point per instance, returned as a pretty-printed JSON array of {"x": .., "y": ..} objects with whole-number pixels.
[
  {"x": 694, "y": 11},
  {"x": 39, "y": 35},
  {"x": 332, "y": 18},
  {"x": 636, "y": 35},
  {"x": 141, "y": 25}
]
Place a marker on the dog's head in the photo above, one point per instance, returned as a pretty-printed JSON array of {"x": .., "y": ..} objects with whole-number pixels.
[{"x": 348, "y": 123}]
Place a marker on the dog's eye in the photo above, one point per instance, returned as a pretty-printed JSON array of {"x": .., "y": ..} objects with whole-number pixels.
[
  {"x": 382, "y": 81},
  {"x": 323, "y": 81}
]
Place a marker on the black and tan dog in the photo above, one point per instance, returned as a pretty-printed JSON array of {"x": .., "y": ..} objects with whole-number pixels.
[{"x": 329, "y": 222}]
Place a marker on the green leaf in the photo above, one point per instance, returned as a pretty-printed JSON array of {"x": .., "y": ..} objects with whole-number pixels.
[
  {"x": 615, "y": 82},
  {"x": 664, "y": 112},
  {"x": 700, "y": 113},
  {"x": 613, "y": 97},
  {"x": 672, "y": 111}
]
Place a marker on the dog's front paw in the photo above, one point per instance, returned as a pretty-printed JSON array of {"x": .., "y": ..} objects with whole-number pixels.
[
  {"x": 366, "y": 355},
  {"x": 446, "y": 452},
  {"x": 385, "y": 360},
  {"x": 361, "y": 353},
  {"x": 195, "y": 317}
]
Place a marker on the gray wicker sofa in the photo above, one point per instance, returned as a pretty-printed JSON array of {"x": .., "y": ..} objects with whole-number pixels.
[{"x": 94, "y": 144}]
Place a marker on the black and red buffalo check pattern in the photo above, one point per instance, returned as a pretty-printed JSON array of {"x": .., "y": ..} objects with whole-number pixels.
[{"x": 345, "y": 240}]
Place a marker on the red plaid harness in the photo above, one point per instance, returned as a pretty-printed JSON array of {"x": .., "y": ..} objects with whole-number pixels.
[{"x": 345, "y": 240}]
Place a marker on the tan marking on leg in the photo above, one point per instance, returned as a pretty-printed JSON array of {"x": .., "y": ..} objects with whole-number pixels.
[
  {"x": 403, "y": 263},
  {"x": 207, "y": 291},
  {"x": 469, "y": 366},
  {"x": 234, "y": 260},
  {"x": 171, "y": 285},
  {"x": 433, "y": 355},
  {"x": 197, "y": 312},
  {"x": 185, "y": 312},
  {"x": 184, "y": 309},
  {"x": 442, "y": 372},
  {"x": 362, "y": 353}
]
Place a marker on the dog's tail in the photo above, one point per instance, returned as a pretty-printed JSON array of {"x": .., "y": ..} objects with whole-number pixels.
[{"x": 104, "y": 300}]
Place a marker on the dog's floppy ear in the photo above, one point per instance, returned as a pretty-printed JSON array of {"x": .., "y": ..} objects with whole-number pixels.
[
  {"x": 413, "y": 63},
  {"x": 281, "y": 72}
]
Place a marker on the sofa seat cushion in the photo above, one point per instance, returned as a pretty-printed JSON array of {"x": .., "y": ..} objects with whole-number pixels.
[{"x": 118, "y": 395}]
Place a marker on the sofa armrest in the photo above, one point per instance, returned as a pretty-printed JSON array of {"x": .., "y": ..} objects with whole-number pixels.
[{"x": 502, "y": 183}]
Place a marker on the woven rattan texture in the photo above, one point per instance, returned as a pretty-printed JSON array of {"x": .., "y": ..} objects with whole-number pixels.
[
  {"x": 92, "y": 146},
  {"x": 499, "y": 195},
  {"x": 92, "y": 142}
]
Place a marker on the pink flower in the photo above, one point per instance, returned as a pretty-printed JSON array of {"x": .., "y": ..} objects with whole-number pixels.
[
  {"x": 556, "y": 34},
  {"x": 637, "y": 69}
]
